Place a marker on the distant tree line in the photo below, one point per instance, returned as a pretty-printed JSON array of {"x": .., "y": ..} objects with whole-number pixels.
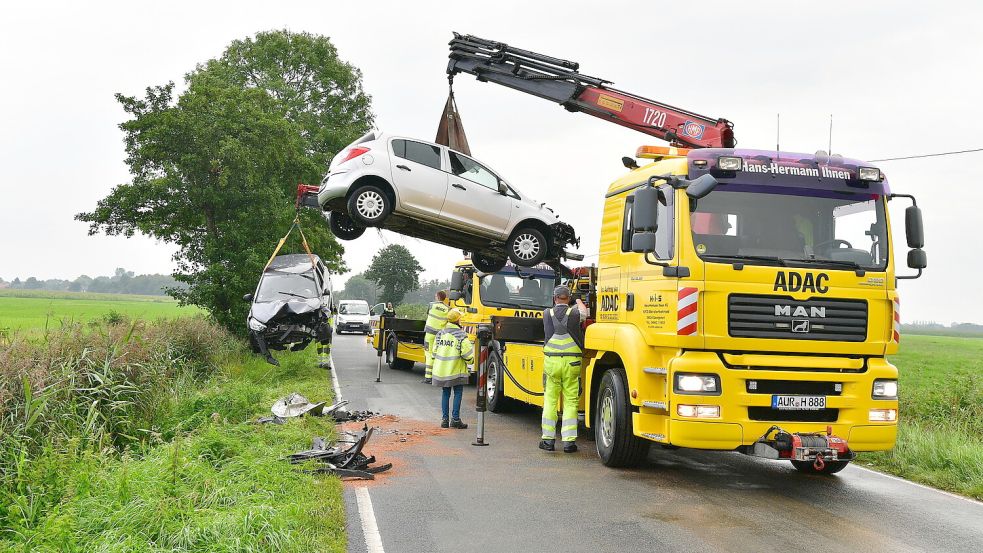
[
  {"x": 931, "y": 327},
  {"x": 122, "y": 282},
  {"x": 393, "y": 276}
]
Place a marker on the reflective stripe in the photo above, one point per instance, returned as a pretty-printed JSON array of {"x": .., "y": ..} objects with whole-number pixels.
[
  {"x": 453, "y": 380},
  {"x": 431, "y": 330},
  {"x": 549, "y": 428},
  {"x": 563, "y": 346},
  {"x": 569, "y": 422},
  {"x": 568, "y": 434},
  {"x": 439, "y": 357},
  {"x": 556, "y": 354}
]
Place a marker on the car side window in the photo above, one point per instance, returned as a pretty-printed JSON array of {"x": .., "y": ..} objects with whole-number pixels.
[
  {"x": 469, "y": 169},
  {"x": 424, "y": 154}
]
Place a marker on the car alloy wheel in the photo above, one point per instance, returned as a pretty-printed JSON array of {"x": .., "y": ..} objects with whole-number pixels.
[
  {"x": 527, "y": 247},
  {"x": 369, "y": 206}
]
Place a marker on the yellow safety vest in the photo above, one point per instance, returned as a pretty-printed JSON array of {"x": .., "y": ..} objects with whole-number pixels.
[
  {"x": 560, "y": 343},
  {"x": 452, "y": 353},
  {"x": 436, "y": 317}
]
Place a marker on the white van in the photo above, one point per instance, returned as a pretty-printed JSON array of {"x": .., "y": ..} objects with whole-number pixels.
[{"x": 353, "y": 316}]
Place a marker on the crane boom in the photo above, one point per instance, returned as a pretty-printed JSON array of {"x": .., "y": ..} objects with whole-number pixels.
[{"x": 560, "y": 81}]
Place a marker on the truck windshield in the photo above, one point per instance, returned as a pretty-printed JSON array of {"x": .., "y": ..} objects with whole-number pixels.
[
  {"x": 508, "y": 289},
  {"x": 353, "y": 309},
  {"x": 761, "y": 226}
]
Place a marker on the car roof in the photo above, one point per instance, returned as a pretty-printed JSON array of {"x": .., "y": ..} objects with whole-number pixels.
[{"x": 292, "y": 263}]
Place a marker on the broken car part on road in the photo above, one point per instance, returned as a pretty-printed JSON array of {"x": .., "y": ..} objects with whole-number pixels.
[{"x": 346, "y": 460}]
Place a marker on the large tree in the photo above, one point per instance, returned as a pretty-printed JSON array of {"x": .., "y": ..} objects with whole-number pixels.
[
  {"x": 360, "y": 288},
  {"x": 215, "y": 168},
  {"x": 396, "y": 270}
]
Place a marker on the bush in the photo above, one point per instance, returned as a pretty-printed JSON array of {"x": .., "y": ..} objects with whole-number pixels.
[{"x": 412, "y": 311}]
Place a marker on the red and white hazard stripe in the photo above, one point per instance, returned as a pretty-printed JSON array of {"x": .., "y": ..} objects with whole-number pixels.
[
  {"x": 896, "y": 325},
  {"x": 687, "y": 311}
]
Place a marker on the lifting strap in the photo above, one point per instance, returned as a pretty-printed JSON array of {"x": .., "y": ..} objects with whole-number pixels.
[
  {"x": 450, "y": 131},
  {"x": 303, "y": 241}
]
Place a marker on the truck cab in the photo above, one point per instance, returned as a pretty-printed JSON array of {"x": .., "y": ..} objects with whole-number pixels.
[{"x": 766, "y": 299}]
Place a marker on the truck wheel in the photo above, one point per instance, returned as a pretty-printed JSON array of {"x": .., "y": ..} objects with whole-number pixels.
[
  {"x": 394, "y": 362},
  {"x": 832, "y": 467},
  {"x": 527, "y": 247},
  {"x": 343, "y": 227},
  {"x": 617, "y": 446},
  {"x": 495, "y": 387},
  {"x": 487, "y": 263},
  {"x": 369, "y": 205}
]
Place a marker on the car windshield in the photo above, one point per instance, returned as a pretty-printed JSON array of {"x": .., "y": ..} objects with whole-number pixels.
[
  {"x": 508, "y": 289},
  {"x": 286, "y": 286},
  {"x": 353, "y": 309},
  {"x": 758, "y": 225}
]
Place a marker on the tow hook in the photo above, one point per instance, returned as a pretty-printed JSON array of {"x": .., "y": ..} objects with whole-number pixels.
[{"x": 818, "y": 464}]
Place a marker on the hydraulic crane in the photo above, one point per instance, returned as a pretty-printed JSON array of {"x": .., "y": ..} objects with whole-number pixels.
[{"x": 559, "y": 80}]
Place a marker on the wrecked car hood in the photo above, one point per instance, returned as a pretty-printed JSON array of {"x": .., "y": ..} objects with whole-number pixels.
[{"x": 266, "y": 311}]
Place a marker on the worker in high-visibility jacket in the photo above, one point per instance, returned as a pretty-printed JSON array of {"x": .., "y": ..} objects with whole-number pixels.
[
  {"x": 452, "y": 352},
  {"x": 436, "y": 319},
  {"x": 563, "y": 352}
]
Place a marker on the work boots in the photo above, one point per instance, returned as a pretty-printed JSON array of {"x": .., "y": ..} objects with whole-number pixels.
[
  {"x": 570, "y": 447},
  {"x": 428, "y": 381},
  {"x": 324, "y": 361},
  {"x": 443, "y": 422},
  {"x": 458, "y": 423},
  {"x": 546, "y": 445}
]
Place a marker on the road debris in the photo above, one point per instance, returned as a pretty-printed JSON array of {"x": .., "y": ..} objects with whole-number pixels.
[{"x": 345, "y": 459}]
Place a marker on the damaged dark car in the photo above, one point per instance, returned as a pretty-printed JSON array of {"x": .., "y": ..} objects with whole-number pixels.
[{"x": 292, "y": 306}]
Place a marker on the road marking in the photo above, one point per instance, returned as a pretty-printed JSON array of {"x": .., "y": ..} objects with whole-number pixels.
[
  {"x": 373, "y": 541},
  {"x": 334, "y": 380},
  {"x": 899, "y": 479}
]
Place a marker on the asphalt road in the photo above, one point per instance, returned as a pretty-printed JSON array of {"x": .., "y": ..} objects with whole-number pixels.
[{"x": 446, "y": 495}]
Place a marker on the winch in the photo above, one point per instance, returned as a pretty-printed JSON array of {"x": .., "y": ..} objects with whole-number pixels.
[{"x": 817, "y": 447}]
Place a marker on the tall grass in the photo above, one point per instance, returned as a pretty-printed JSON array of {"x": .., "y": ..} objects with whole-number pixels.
[{"x": 99, "y": 388}]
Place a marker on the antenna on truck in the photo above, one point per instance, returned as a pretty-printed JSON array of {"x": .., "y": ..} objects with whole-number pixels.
[
  {"x": 830, "y": 150},
  {"x": 778, "y": 135}
]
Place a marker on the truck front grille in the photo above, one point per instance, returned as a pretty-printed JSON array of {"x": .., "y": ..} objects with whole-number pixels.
[
  {"x": 777, "y": 415},
  {"x": 785, "y": 318}
]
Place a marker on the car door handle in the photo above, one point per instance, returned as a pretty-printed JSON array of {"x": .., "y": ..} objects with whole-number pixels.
[
  {"x": 403, "y": 167},
  {"x": 461, "y": 186}
]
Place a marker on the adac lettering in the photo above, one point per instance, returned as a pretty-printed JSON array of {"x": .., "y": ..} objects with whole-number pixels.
[
  {"x": 528, "y": 313},
  {"x": 788, "y": 281},
  {"x": 609, "y": 302}
]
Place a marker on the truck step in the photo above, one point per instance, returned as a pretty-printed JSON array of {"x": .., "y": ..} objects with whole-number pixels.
[{"x": 655, "y": 370}]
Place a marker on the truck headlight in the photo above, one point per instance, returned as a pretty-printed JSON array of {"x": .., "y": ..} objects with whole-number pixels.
[
  {"x": 697, "y": 384},
  {"x": 869, "y": 173},
  {"x": 256, "y": 325},
  {"x": 885, "y": 389}
]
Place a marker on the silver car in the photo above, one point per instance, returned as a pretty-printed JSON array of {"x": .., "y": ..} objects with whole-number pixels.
[{"x": 429, "y": 191}]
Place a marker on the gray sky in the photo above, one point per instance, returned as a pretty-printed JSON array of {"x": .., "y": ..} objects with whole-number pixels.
[{"x": 900, "y": 78}]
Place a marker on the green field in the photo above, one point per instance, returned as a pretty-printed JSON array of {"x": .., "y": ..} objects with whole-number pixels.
[
  {"x": 941, "y": 419},
  {"x": 39, "y": 309}
]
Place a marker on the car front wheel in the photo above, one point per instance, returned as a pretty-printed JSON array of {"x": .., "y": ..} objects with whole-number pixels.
[
  {"x": 487, "y": 263},
  {"x": 527, "y": 247},
  {"x": 343, "y": 227},
  {"x": 369, "y": 205}
]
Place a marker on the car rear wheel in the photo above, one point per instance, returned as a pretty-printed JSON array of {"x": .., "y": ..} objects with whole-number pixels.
[
  {"x": 487, "y": 263},
  {"x": 527, "y": 247},
  {"x": 369, "y": 205},
  {"x": 343, "y": 227}
]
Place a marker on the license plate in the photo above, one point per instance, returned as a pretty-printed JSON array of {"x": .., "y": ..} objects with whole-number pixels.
[{"x": 798, "y": 403}]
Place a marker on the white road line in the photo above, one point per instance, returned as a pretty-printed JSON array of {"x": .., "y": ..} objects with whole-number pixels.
[
  {"x": 334, "y": 380},
  {"x": 923, "y": 486},
  {"x": 373, "y": 541}
]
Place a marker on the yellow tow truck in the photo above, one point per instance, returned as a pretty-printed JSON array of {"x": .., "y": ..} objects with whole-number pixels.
[{"x": 515, "y": 292}]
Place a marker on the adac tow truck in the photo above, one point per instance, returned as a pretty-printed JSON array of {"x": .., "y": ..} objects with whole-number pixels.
[
  {"x": 513, "y": 292},
  {"x": 745, "y": 299}
]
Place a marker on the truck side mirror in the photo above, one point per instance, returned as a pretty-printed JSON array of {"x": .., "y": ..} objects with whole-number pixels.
[
  {"x": 457, "y": 286},
  {"x": 917, "y": 259},
  {"x": 247, "y": 297},
  {"x": 914, "y": 231},
  {"x": 701, "y": 186},
  {"x": 644, "y": 219}
]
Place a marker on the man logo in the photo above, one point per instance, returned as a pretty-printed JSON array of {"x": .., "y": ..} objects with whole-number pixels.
[{"x": 800, "y": 325}]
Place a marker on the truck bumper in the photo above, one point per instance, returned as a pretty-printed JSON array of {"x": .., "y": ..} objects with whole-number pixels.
[{"x": 746, "y": 413}]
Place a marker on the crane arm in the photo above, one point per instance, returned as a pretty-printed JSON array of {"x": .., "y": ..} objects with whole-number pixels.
[{"x": 559, "y": 80}]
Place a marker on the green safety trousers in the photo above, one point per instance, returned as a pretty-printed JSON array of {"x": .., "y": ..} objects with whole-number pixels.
[
  {"x": 428, "y": 340},
  {"x": 561, "y": 374}
]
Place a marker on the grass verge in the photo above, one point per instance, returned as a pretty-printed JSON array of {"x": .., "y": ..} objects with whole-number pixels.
[
  {"x": 941, "y": 419},
  {"x": 181, "y": 467},
  {"x": 44, "y": 311}
]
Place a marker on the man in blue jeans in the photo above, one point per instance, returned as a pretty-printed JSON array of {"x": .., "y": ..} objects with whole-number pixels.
[{"x": 452, "y": 352}]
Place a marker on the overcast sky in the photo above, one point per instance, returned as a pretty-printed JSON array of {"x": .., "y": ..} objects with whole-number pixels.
[{"x": 899, "y": 78}]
